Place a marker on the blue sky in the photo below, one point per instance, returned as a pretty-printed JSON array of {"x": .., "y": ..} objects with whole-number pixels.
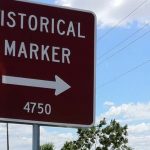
[
  {"x": 134, "y": 86},
  {"x": 125, "y": 76}
]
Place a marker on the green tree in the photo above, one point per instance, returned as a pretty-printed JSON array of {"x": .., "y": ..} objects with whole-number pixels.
[
  {"x": 100, "y": 137},
  {"x": 48, "y": 146}
]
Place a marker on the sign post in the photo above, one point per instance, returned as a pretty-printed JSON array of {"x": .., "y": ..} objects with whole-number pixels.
[
  {"x": 47, "y": 64},
  {"x": 7, "y": 128},
  {"x": 36, "y": 137}
]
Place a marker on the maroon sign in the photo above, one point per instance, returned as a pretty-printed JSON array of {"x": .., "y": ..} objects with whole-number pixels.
[{"x": 46, "y": 64}]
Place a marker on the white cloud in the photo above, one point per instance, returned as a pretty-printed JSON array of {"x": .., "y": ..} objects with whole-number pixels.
[
  {"x": 139, "y": 142},
  {"x": 3, "y": 135},
  {"x": 111, "y": 12},
  {"x": 20, "y": 137},
  {"x": 138, "y": 111},
  {"x": 109, "y": 103},
  {"x": 142, "y": 128}
]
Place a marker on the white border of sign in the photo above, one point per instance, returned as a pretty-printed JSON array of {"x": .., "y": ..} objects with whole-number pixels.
[{"x": 94, "y": 86}]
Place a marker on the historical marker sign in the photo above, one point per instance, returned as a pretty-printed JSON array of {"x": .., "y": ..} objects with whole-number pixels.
[{"x": 46, "y": 64}]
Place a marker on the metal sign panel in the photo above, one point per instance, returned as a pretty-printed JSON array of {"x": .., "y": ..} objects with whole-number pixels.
[{"x": 47, "y": 64}]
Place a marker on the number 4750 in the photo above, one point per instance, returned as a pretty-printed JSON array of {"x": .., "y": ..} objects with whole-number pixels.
[{"x": 40, "y": 108}]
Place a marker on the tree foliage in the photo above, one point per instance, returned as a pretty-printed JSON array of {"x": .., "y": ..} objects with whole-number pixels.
[
  {"x": 48, "y": 146},
  {"x": 100, "y": 137}
]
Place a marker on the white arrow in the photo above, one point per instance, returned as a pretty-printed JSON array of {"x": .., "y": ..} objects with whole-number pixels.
[{"x": 59, "y": 85}]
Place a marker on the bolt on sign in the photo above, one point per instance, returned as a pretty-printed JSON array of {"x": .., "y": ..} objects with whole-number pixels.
[{"x": 47, "y": 64}]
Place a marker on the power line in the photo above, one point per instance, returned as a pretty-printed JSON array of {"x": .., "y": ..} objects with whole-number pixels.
[
  {"x": 120, "y": 50},
  {"x": 125, "y": 73},
  {"x": 124, "y": 40},
  {"x": 124, "y": 18}
]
